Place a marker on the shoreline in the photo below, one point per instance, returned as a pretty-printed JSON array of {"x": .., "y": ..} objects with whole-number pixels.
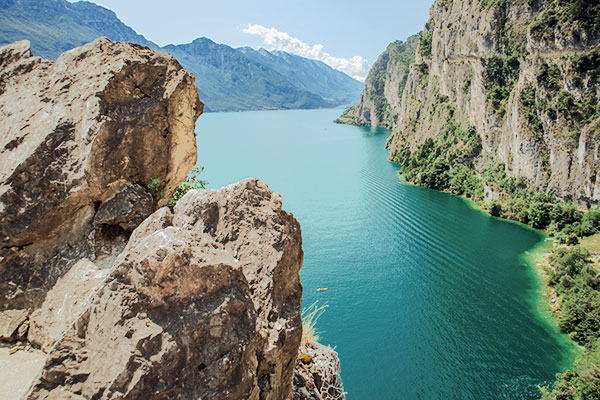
[{"x": 535, "y": 259}]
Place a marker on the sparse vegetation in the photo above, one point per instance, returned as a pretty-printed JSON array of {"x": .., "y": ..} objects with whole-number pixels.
[
  {"x": 153, "y": 185},
  {"x": 549, "y": 77},
  {"x": 530, "y": 109},
  {"x": 425, "y": 44},
  {"x": 422, "y": 69},
  {"x": 466, "y": 86},
  {"x": 382, "y": 108},
  {"x": 310, "y": 316},
  {"x": 494, "y": 3},
  {"x": 193, "y": 181},
  {"x": 499, "y": 76},
  {"x": 565, "y": 16},
  {"x": 585, "y": 68}
]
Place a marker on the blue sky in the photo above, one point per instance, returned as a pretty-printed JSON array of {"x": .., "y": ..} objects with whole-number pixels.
[{"x": 351, "y": 34}]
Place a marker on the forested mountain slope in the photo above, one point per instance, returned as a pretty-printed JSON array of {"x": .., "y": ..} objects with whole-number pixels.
[{"x": 228, "y": 79}]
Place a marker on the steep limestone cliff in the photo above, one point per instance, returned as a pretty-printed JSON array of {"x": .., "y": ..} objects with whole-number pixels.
[
  {"x": 524, "y": 75},
  {"x": 380, "y": 100}
]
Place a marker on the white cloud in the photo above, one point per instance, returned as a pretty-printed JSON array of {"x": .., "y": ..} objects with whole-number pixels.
[{"x": 357, "y": 66}]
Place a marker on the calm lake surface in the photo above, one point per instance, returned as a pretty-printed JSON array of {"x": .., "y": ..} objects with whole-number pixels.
[{"x": 428, "y": 298}]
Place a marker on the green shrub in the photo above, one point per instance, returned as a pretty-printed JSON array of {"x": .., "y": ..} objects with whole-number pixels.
[
  {"x": 193, "y": 181},
  {"x": 445, "y": 163},
  {"x": 499, "y": 77},
  {"x": 153, "y": 185},
  {"x": 576, "y": 282},
  {"x": 530, "y": 109},
  {"x": 422, "y": 69},
  {"x": 549, "y": 76},
  {"x": 585, "y": 66},
  {"x": 425, "y": 44},
  {"x": 565, "y": 16},
  {"x": 466, "y": 86},
  {"x": 583, "y": 382},
  {"x": 495, "y": 208}
]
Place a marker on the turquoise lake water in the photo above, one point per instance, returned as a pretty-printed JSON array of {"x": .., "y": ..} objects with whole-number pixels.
[{"x": 428, "y": 298}]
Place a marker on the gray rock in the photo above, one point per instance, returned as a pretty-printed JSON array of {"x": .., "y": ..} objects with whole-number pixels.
[{"x": 560, "y": 154}]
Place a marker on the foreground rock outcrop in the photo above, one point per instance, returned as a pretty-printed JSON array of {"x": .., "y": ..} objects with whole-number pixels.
[
  {"x": 129, "y": 300},
  {"x": 204, "y": 302},
  {"x": 317, "y": 374},
  {"x": 80, "y": 140}
]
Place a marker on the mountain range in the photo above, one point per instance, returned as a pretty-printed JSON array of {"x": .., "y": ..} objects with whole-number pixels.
[{"x": 228, "y": 79}]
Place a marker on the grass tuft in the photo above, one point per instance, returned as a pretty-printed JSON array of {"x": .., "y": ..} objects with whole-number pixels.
[{"x": 310, "y": 316}]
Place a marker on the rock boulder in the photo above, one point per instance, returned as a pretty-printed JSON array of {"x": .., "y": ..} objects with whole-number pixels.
[
  {"x": 204, "y": 302},
  {"x": 80, "y": 140},
  {"x": 130, "y": 300}
]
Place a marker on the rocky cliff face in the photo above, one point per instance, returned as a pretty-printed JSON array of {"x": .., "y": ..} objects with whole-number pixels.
[
  {"x": 380, "y": 101},
  {"x": 80, "y": 140},
  {"x": 204, "y": 302},
  {"x": 129, "y": 300},
  {"x": 525, "y": 75}
]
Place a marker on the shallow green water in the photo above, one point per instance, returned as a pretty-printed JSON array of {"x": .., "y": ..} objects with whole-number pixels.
[{"x": 428, "y": 298}]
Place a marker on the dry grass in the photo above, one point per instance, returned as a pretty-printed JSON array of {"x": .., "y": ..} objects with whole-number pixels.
[
  {"x": 310, "y": 316},
  {"x": 592, "y": 243}
]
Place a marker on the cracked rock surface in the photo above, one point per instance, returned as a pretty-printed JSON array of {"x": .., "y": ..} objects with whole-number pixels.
[{"x": 127, "y": 299}]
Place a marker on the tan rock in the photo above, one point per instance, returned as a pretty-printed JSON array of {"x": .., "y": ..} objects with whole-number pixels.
[
  {"x": 64, "y": 304},
  {"x": 202, "y": 303},
  {"x": 80, "y": 139},
  {"x": 199, "y": 302},
  {"x": 10, "y": 322}
]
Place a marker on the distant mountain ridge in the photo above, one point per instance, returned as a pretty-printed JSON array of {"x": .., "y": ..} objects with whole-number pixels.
[
  {"x": 55, "y": 26},
  {"x": 312, "y": 75},
  {"x": 228, "y": 79}
]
